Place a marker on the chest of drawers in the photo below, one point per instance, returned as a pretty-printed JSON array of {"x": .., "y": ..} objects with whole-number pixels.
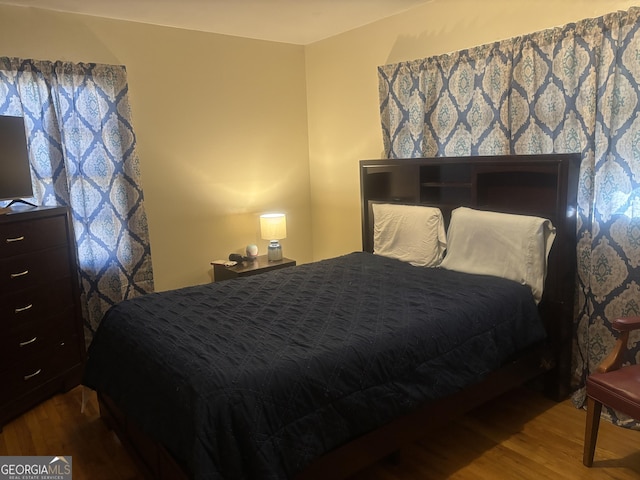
[{"x": 41, "y": 333}]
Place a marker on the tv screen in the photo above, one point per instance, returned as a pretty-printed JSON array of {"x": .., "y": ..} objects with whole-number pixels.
[{"x": 15, "y": 173}]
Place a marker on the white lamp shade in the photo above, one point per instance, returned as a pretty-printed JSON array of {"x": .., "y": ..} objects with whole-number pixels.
[{"x": 273, "y": 226}]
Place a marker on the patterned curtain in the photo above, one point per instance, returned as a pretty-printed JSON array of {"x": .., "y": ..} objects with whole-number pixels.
[
  {"x": 82, "y": 153},
  {"x": 569, "y": 89}
]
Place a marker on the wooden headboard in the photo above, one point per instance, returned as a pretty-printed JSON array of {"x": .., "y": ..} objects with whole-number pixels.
[{"x": 540, "y": 185}]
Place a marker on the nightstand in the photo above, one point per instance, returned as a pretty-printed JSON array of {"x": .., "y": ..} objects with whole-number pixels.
[{"x": 245, "y": 269}]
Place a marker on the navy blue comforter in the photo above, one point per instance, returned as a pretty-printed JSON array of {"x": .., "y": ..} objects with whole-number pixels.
[{"x": 255, "y": 377}]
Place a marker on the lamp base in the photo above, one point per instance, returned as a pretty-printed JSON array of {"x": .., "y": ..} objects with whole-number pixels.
[{"x": 274, "y": 251}]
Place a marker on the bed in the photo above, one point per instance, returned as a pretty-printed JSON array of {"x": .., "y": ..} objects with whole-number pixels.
[{"x": 318, "y": 370}]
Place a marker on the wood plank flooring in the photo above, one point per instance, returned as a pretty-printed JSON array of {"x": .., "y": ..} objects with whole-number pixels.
[{"x": 521, "y": 435}]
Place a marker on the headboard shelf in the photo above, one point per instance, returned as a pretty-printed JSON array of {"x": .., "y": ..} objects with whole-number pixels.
[
  {"x": 527, "y": 184},
  {"x": 443, "y": 193},
  {"x": 447, "y": 184}
]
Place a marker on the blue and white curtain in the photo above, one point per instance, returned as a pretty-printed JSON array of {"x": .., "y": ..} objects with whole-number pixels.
[
  {"x": 569, "y": 89},
  {"x": 82, "y": 153}
]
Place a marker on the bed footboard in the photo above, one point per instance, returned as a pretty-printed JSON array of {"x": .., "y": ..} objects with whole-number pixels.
[{"x": 151, "y": 457}]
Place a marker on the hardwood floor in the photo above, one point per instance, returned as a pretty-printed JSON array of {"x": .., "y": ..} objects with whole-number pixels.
[{"x": 521, "y": 435}]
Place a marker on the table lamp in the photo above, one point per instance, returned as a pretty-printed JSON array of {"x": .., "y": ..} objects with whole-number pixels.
[{"x": 273, "y": 227}]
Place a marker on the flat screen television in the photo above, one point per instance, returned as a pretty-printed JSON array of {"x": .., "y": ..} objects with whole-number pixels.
[{"x": 15, "y": 172}]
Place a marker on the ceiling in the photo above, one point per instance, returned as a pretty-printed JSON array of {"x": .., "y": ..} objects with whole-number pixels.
[{"x": 290, "y": 21}]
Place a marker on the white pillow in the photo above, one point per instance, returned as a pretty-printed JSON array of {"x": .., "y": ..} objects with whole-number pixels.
[
  {"x": 410, "y": 233},
  {"x": 515, "y": 247}
]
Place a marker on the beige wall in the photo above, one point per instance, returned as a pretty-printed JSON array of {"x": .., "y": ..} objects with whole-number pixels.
[
  {"x": 221, "y": 125},
  {"x": 342, "y": 90},
  {"x": 228, "y": 128}
]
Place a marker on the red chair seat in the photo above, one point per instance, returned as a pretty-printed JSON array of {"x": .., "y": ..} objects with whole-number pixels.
[{"x": 619, "y": 389}]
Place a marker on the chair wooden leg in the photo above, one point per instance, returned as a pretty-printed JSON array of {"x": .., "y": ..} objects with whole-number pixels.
[{"x": 594, "y": 409}]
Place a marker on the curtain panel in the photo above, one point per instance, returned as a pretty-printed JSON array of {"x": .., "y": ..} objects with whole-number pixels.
[
  {"x": 82, "y": 154},
  {"x": 569, "y": 89}
]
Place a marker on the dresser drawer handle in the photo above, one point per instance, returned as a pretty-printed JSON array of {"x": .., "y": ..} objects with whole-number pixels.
[
  {"x": 21, "y": 274},
  {"x": 22, "y": 344},
  {"x": 23, "y": 309},
  {"x": 15, "y": 239},
  {"x": 27, "y": 377}
]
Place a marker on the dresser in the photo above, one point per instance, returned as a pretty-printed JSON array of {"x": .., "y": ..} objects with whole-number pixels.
[{"x": 41, "y": 332}]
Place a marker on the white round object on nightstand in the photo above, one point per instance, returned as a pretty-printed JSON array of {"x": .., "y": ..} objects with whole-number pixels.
[{"x": 252, "y": 251}]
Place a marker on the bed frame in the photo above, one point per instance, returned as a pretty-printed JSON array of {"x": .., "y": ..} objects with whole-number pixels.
[{"x": 544, "y": 185}]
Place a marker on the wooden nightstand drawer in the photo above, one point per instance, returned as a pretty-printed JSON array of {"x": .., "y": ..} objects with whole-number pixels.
[
  {"x": 245, "y": 269},
  {"x": 25, "y": 236}
]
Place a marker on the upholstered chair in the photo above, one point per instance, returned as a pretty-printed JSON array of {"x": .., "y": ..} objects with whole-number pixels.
[{"x": 612, "y": 385}]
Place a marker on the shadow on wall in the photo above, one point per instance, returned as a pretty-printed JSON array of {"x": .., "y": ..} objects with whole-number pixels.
[
  {"x": 75, "y": 40},
  {"x": 454, "y": 25}
]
